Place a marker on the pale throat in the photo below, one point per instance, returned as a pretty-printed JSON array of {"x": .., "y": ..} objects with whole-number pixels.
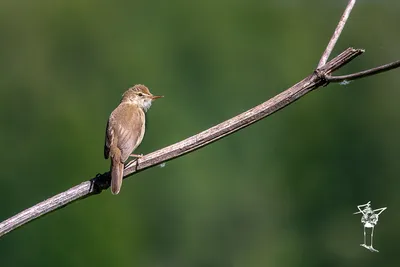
[{"x": 145, "y": 104}]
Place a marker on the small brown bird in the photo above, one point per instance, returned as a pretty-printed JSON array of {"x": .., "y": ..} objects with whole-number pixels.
[{"x": 125, "y": 130}]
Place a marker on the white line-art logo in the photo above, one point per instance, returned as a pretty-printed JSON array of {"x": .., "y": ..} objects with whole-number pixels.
[{"x": 369, "y": 219}]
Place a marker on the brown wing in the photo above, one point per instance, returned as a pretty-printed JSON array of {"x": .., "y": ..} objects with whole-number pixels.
[{"x": 124, "y": 129}]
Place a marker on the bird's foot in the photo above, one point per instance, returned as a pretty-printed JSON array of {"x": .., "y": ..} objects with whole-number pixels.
[{"x": 370, "y": 248}]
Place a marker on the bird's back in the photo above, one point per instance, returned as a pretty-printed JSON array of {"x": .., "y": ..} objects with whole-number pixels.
[{"x": 125, "y": 130}]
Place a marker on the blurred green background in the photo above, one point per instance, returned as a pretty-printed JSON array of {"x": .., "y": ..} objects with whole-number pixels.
[{"x": 279, "y": 193}]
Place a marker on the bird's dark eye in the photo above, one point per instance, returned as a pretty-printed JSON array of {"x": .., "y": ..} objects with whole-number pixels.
[{"x": 140, "y": 94}]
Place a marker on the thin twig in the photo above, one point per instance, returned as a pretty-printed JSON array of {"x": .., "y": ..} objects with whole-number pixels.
[
  {"x": 364, "y": 73},
  {"x": 336, "y": 33}
]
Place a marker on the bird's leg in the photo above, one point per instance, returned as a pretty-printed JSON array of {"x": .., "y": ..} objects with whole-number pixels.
[
  {"x": 130, "y": 163},
  {"x": 372, "y": 236},
  {"x": 364, "y": 245},
  {"x": 364, "y": 238},
  {"x": 372, "y": 239}
]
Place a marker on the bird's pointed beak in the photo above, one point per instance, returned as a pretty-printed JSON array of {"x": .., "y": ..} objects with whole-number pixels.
[{"x": 154, "y": 97}]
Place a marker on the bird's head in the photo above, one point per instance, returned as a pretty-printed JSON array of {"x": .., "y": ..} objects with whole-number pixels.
[{"x": 140, "y": 96}]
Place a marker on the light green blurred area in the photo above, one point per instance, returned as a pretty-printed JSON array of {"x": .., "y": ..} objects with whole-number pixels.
[{"x": 278, "y": 193}]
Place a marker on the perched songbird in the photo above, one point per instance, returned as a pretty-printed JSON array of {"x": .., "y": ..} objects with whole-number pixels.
[{"x": 125, "y": 130}]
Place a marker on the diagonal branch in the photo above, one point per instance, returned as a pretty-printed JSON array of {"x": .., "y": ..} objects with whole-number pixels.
[
  {"x": 336, "y": 33},
  {"x": 243, "y": 120},
  {"x": 320, "y": 77}
]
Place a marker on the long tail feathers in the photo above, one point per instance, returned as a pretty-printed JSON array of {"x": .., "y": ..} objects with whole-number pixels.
[{"x": 117, "y": 173}]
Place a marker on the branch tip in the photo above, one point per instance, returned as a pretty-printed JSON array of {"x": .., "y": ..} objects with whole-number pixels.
[{"x": 336, "y": 34}]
